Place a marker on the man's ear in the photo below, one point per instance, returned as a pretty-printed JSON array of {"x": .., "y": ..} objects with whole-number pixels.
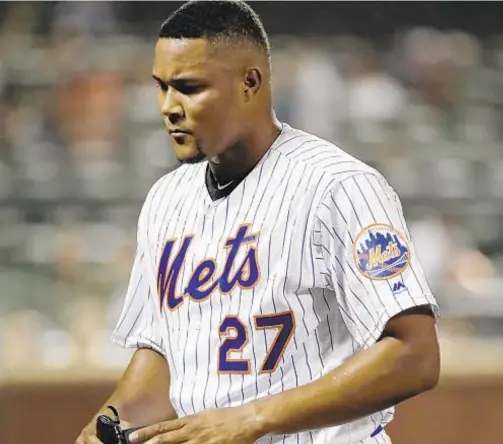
[{"x": 252, "y": 82}]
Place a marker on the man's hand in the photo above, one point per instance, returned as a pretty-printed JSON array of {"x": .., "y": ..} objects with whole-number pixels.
[
  {"x": 88, "y": 434},
  {"x": 218, "y": 426}
]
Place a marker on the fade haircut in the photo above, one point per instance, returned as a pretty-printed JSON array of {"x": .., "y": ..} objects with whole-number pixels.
[{"x": 218, "y": 21}]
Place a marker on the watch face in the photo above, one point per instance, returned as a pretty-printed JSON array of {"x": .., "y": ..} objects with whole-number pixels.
[{"x": 108, "y": 431}]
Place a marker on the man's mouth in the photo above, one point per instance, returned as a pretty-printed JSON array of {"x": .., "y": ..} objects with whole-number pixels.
[{"x": 178, "y": 132}]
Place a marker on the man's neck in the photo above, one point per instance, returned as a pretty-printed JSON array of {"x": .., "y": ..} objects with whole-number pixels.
[{"x": 240, "y": 159}]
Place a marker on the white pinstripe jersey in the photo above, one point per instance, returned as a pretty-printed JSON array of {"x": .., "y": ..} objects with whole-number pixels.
[{"x": 273, "y": 286}]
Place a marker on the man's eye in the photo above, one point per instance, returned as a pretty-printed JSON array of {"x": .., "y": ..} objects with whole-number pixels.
[
  {"x": 161, "y": 86},
  {"x": 188, "y": 89}
]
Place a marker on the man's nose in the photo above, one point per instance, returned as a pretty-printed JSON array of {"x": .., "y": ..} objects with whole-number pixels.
[{"x": 172, "y": 108}]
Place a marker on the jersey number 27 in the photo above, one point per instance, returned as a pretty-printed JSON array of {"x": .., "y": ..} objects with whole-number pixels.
[{"x": 236, "y": 339}]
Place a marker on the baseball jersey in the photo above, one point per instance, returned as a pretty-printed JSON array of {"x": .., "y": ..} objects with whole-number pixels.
[{"x": 274, "y": 285}]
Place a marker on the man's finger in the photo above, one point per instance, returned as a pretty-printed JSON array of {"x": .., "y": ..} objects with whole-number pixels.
[
  {"x": 174, "y": 437},
  {"x": 143, "y": 435},
  {"x": 88, "y": 440},
  {"x": 82, "y": 439}
]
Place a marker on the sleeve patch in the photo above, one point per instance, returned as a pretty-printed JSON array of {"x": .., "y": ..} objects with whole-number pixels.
[{"x": 381, "y": 252}]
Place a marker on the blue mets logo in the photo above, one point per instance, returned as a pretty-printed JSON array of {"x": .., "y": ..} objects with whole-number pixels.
[
  {"x": 207, "y": 278},
  {"x": 381, "y": 252}
]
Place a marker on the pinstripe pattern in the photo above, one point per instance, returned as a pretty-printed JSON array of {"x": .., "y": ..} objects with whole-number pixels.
[{"x": 307, "y": 200}]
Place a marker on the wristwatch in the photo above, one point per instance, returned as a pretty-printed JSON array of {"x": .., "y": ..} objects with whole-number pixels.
[{"x": 109, "y": 430}]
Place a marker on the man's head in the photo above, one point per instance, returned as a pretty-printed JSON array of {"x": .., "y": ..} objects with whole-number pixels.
[{"x": 212, "y": 68}]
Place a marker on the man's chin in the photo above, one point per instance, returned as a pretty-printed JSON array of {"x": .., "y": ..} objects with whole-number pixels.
[
  {"x": 196, "y": 158},
  {"x": 192, "y": 160},
  {"x": 189, "y": 156}
]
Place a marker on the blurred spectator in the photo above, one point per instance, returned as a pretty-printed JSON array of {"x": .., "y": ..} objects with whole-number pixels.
[
  {"x": 468, "y": 268},
  {"x": 449, "y": 255},
  {"x": 318, "y": 98},
  {"x": 85, "y": 17},
  {"x": 373, "y": 94},
  {"x": 434, "y": 245}
]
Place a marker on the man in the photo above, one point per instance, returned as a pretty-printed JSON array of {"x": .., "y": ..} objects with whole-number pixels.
[{"x": 275, "y": 295}]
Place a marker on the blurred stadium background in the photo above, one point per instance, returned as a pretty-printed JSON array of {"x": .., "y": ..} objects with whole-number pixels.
[{"x": 415, "y": 89}]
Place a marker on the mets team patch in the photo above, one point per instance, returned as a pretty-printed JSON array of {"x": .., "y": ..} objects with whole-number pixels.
[{"x": 381, "y": 252}]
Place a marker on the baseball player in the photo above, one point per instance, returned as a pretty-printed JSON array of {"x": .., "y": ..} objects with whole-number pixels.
[{"x": 275, "y": 296}]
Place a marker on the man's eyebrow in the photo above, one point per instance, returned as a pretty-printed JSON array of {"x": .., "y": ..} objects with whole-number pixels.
[
  {"x": 175, "y": 80},
  {"x": 157, "y": 79}
]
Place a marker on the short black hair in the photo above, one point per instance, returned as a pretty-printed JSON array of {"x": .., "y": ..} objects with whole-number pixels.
[{"x": 216, "y": 20}]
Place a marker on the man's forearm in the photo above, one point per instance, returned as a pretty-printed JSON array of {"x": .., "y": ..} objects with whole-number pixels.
[
  {"x": 373, "y": 380},
  {"x": 142, "y": 394}
]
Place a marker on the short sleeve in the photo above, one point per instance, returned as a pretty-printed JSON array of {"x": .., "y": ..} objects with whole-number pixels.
[
  {"x": 367, "y": 255},
  {"x": 139, "y": 323}
]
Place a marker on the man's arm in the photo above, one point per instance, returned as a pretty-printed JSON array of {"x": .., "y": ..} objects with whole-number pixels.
[
  {"x": 403, "y": 363},
  {"x": 142, "y": 394}
]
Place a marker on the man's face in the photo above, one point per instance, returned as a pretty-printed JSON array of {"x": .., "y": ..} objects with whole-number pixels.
[{"x": 200, "y": 96}]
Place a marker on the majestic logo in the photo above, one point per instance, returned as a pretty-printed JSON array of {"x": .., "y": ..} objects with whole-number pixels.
[
  {"x": 381, "y": 252},
  {"x": 398, "y": 287},
  {"x": 205, "y": 278}
]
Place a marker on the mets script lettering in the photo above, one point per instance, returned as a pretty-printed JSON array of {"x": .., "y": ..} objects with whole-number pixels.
[
  {"x": 206, "y": 278},
  {"x": 377, "y": 257}
]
